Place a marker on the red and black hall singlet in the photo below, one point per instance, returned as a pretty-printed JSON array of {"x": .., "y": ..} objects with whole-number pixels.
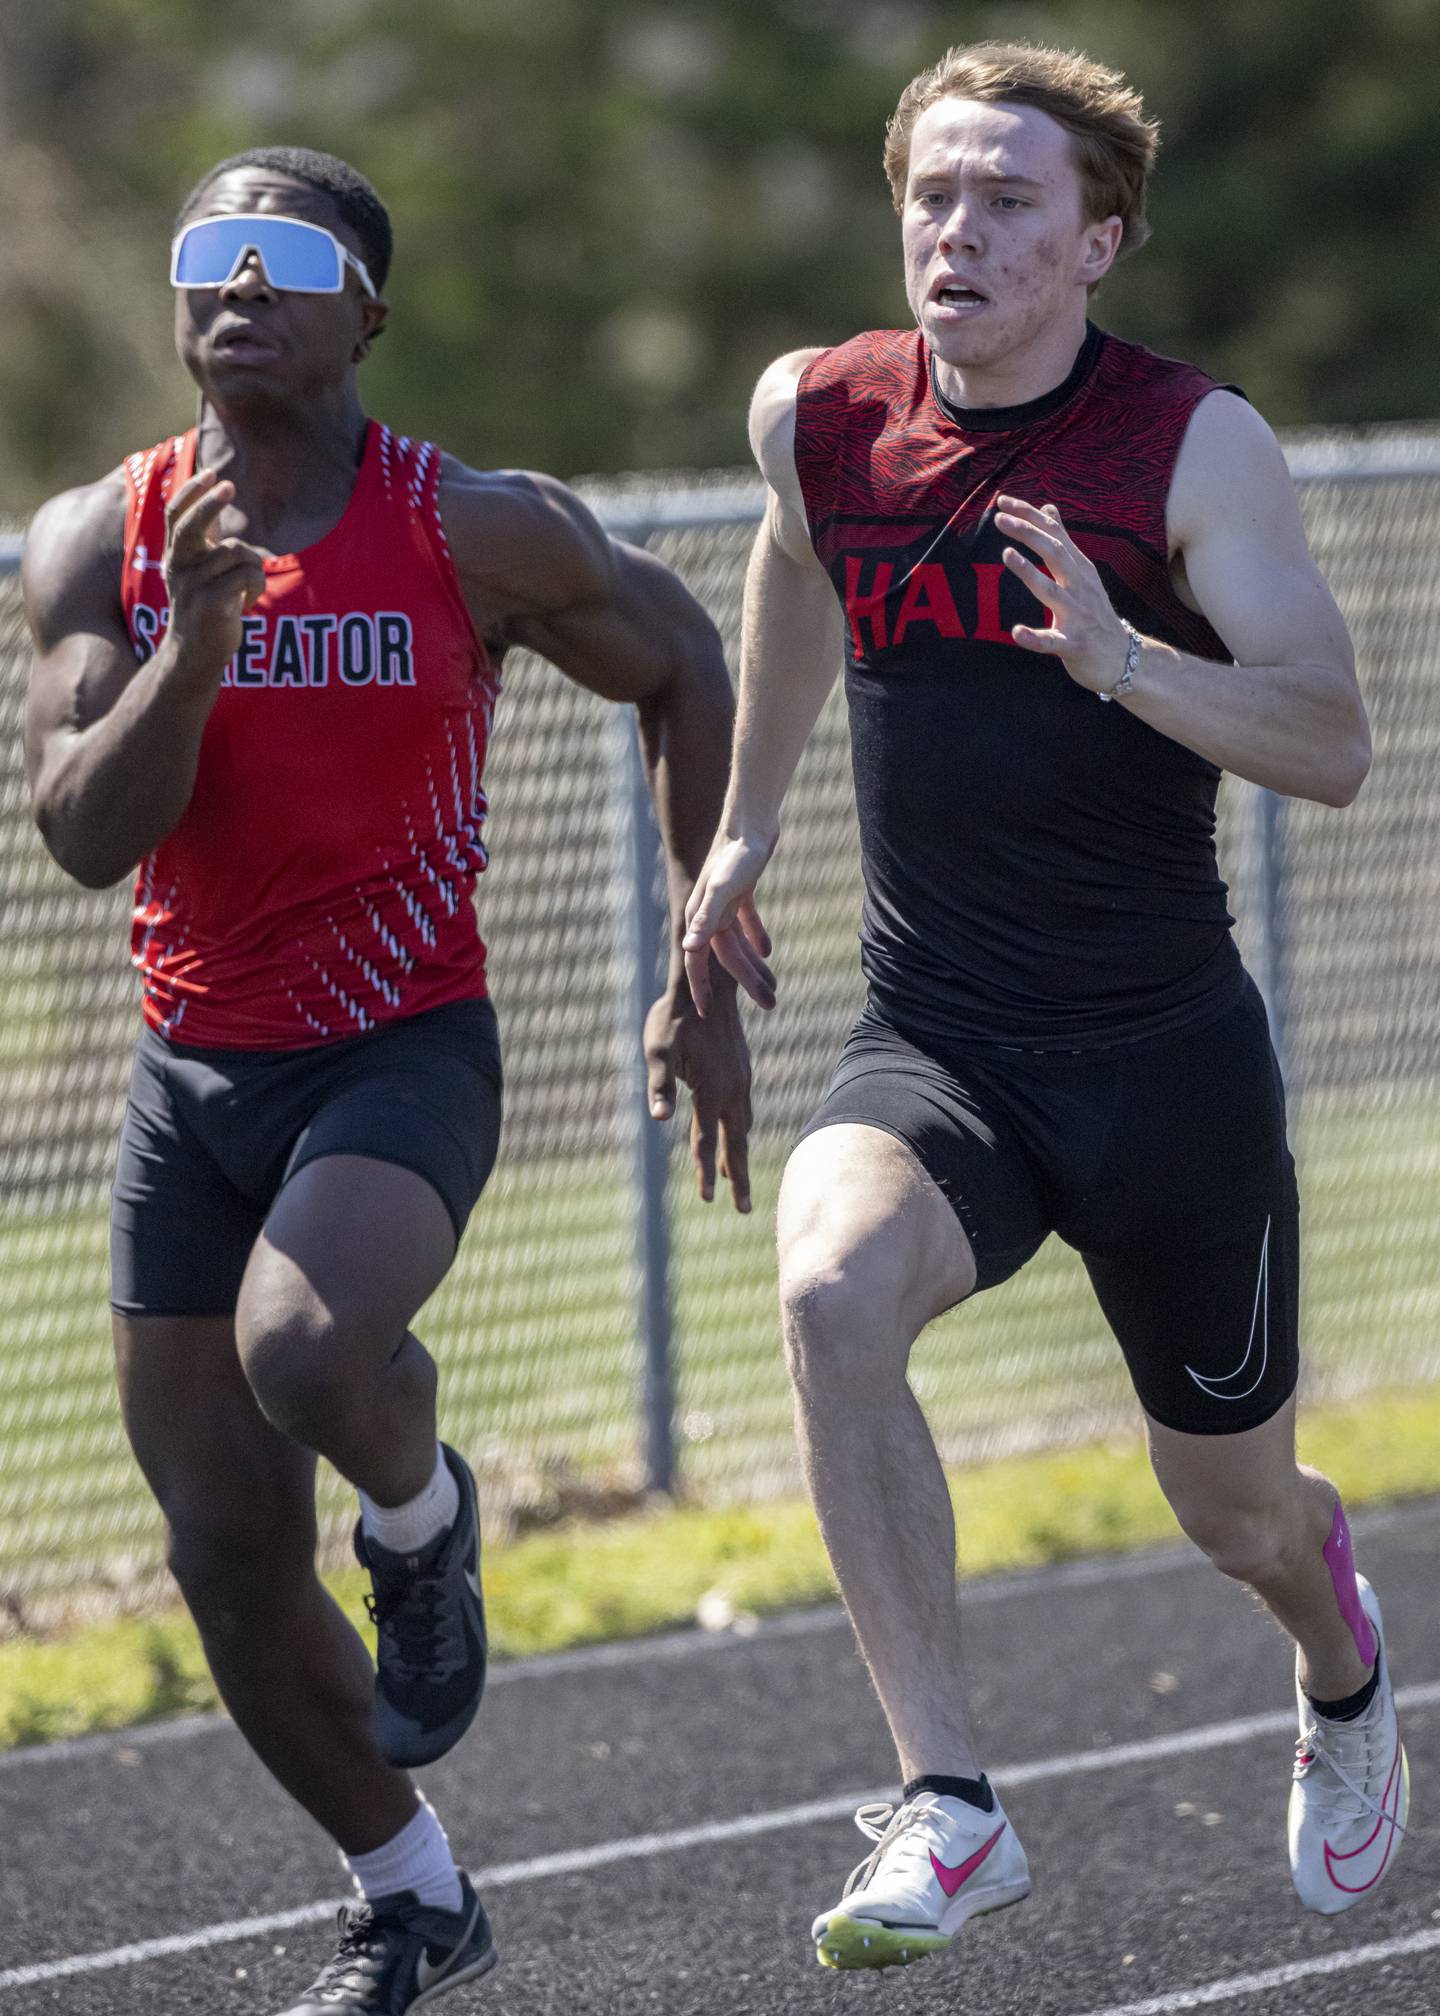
[
  {"x": 319, "y": 882},
  {"x": 1039, "y": 867}
]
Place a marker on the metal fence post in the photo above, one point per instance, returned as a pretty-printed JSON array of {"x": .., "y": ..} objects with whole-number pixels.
[
  {"x": 1273, "y": 978},
  {"x": 648, "y": 931}
]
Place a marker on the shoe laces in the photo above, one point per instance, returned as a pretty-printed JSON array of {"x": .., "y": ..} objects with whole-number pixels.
[
  {"x": 359, "y": 1961},
  {"x": 1341, "y": 1752},
  {"x": 416, "y": 1619},
  {"x": 892, "y": 1827}
]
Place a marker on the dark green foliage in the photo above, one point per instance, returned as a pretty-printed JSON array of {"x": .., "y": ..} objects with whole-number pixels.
[{"x": 609, "y": 217}]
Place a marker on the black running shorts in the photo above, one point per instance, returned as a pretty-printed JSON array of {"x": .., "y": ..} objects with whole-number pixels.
[
  {"x": 212, "y": 1136},
  {"x": 1164, "y": 1163}
]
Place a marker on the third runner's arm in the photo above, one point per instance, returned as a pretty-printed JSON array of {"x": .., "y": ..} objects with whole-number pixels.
[
  {"x": 540, "y": 572},
  {"x": 790, "y": 650},
  {"x": 1288, "y": 713}
]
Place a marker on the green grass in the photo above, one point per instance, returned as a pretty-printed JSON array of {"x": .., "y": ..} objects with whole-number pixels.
[
  {"x": 534, "y": 1331},
  {"x": 583, "y": 1583}
]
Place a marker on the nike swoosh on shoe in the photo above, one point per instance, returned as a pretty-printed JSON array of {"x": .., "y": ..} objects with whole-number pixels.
[
  {"x": 426, "y": 1975},
  {"x": 1372, "y": 1868},
  {"x": 950, "y": 1879}
]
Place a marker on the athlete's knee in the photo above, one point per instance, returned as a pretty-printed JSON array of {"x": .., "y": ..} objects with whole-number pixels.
[
  {"x": 817, "y": 1303},
  {"x": 293, "y": 1361},
  {"x": 304, "y": 1371},
  {"x": 238, "y": 1563},
  {"x": 840, "y": 1315},
  {"x": 312, "y": 1368},
  {"x": 1257, "y": 1543},
  {"x": 869, "y": 1253}
]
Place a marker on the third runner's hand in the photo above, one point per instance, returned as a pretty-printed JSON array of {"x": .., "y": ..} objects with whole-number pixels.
[
  {"x": 1084, "y": 629},
  {"x": 721, "y": 918},
  {"x": 712, "y": 1058},
  {"x": 211, "y": 581}
]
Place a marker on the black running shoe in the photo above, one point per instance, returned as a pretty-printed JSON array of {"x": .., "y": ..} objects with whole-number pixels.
[
  {"x": 430, "y": 1622},
  {"x": 398, "y": 1954}
]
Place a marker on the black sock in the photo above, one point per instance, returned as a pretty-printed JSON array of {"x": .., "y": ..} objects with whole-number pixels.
[
  {"x": 974, "y": 1791},
  {"x": 1352, "y": 1706}
]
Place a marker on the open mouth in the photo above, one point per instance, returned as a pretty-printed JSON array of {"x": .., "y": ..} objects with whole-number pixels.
[
  {"x": 954, "y": 295},
  {"x": 244, "y": 346}
]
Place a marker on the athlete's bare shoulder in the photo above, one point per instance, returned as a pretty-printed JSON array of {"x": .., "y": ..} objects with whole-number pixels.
[
  {"x": 772, "y": 442},
  {"x": 772, "y": 420},
  {"x": 502, "y": 516},
  {"x": 1240, "y": 555},
  {"x": 1229, "y": 462},
  {"x": 74, "y": 553},
  {"x": 505, "y": 497},
  {"x": 522, "y": 542},
  {"x": 539, "y": 571}
]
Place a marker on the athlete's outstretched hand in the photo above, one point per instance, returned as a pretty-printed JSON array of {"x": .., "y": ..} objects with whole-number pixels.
[
  {"x": 1084, "y": 628},
  {"x": 211, "y": 581},
  {"x": 713, "y": 1059},
  {"x": 721, "y": 918}
]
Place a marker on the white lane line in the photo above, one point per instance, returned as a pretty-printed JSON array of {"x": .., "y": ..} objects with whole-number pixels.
[
  {"x": 1277, "y": 1977},
  {"x": 686, "y": 1643},
  {"x": 72, "y": 1749},
  {"x": 637, "y": 1847}
]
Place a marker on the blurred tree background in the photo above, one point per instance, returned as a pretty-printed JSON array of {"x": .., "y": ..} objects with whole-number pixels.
[{"x": 611, "y": 213}]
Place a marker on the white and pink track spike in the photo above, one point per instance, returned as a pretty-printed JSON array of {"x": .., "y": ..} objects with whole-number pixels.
[
  {"x": 937, "y": 1862},
  {"x": 1351, "y": 1795}
]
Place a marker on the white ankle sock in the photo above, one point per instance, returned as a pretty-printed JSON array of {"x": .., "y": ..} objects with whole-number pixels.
[
  {"x": 405, "y": 1529},
  {"x": 418, "y": 1859}
]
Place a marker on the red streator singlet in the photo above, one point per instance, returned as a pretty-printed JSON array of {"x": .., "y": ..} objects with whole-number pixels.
[
  {"x": 1039, "y": 868},
  {"x": 319, "y": 881}
]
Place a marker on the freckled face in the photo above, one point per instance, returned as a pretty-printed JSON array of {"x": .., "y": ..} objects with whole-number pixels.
[{"x": 998, "y": 250}]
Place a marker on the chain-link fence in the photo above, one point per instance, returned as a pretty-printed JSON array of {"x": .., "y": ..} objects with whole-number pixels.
[{"x": 569, "y": 1275}]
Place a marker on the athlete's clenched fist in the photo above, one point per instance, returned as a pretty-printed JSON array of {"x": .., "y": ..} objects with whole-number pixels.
[{"x": 211, "y": 581}]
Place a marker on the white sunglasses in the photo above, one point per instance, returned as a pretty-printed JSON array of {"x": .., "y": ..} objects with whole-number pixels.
[{"x": 295, "y": 257}]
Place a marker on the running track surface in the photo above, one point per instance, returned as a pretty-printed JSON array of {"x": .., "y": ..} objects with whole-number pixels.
[{"x": 660, "y": 1823}]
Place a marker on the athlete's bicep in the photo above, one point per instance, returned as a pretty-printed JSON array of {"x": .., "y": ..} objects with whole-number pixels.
[
  {"x": 70, "y": 585},
  {"x": 626, "y": 641},
  {"x": 540, "y": 571},
  {"x": 1235, "y": 521},
  {"x": 523, "y": 545}
]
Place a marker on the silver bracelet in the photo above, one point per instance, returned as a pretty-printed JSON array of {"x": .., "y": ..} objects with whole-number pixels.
[{"x": 1126, "y": 682}]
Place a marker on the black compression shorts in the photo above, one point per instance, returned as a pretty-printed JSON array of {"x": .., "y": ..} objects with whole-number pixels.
[
  {"x": 211, "y": 1136},
  {"x": 1164, "y": 1163}
]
